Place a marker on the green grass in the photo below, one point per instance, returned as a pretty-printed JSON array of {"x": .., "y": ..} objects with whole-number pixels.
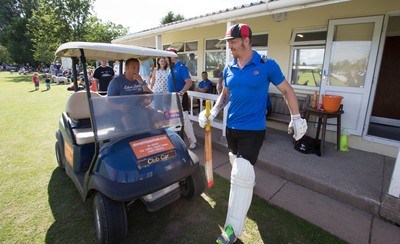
[
  {"x": 38, "y": 202},
  {"x": 308, "y": 78}
]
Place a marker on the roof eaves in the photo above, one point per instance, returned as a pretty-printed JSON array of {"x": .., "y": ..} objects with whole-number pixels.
[{"x": 142, "y": 33}]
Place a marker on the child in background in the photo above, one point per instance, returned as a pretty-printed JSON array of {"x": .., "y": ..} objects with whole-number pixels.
[
  {"x": 47, "y": 80},
  {"x": 36, "y": 80}
]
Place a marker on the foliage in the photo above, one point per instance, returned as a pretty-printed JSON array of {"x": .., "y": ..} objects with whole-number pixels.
[
  {"x": 31, "y": 30},
  {"x": 59, "y": 21},
  {"x": 103, "y": 32},
  {"x": 14, "y": 15},
  {"x": 5, "y": 56},
  {"x": 171, "y": 17}
]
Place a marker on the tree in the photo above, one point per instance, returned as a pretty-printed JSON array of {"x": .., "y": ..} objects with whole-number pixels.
[
  {"x": 59, "y": 21},
  {"x": 171, "y": 17},
  {"x": 5, "y": 56},
  {"x": 14, "y": 15},
  {"x": 103, "y": 32}
]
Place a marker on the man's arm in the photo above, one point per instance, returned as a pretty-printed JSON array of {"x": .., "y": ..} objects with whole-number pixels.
[
  {"x": 290, "y": 97},
  {"x": 223, "y": 99},
  {"x": 221, "y": 102},
  {"x": 188, "y": 84},
  {"x": 297, "y": 125},
  {"x": 152, "y": 78},
  {"x": 204, "y": 89}
]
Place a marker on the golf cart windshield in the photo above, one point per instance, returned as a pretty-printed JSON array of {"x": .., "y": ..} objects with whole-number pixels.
[{"x": 134, "y": 114}]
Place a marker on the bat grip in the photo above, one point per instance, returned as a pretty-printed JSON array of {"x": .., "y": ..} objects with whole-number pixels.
[{"x": 207, "y": 114}]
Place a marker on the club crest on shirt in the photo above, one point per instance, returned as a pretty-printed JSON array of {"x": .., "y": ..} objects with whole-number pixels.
[{"x": 255, "y": 72}]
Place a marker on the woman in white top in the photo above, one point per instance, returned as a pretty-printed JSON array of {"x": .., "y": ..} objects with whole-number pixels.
[{"x": 159, "y": 77}]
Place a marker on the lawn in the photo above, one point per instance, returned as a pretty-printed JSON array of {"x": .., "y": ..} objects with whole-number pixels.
[{"x": 38, "y": 202}]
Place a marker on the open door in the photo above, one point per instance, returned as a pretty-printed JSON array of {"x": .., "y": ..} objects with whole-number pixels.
[
  {"x": 349, "y": 62},
  {"x": 384, "y": 121}
]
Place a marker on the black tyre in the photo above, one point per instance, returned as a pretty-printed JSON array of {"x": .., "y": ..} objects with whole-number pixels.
[
  {"x": 193, "y": 185},
  {"x": 60, "y": 156},
  {"x": 110, "y": 218}
]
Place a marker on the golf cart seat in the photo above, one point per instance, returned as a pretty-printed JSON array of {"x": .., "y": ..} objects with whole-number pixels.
[{"x": 77, "y": 109}]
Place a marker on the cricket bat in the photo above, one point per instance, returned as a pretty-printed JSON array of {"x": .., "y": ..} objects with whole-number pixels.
[{"x": 208, "y": 150}]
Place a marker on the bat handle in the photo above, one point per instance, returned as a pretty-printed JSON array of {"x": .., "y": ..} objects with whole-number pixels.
[{"x": 207, "y": 114}]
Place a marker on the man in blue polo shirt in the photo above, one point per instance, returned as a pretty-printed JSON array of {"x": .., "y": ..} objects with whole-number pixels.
[
  {"x": 183, "y": 82},
  {"x": 246, "y": 83}
]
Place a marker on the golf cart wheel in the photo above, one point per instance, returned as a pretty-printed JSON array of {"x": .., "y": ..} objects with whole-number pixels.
[
  {"x": 110, "y": 218},
  {"x": 193, "y": 185},
  {"x": 60, "y": 156}
]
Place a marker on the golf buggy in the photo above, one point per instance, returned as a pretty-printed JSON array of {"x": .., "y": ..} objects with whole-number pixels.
[{"x": 124, "y": 148}]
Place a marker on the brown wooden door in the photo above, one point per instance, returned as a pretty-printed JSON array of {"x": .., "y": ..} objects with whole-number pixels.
[{"x": 387, "y": 97}]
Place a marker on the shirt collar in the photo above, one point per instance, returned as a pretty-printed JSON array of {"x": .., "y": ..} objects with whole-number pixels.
[{"x": 254, "y": 60}]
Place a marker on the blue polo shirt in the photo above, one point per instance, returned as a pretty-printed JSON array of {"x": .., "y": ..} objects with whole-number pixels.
[
  {"x": 181, "y": 73},
  {"x": 205, "y": 83},
  {"x": 248, "y": 89}
]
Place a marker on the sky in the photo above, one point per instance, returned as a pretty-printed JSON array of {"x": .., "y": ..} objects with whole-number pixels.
[{"x": 145, "y": 14}]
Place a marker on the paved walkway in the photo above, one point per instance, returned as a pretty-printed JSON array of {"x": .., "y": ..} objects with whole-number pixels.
[{"x": 340, "y": 192}]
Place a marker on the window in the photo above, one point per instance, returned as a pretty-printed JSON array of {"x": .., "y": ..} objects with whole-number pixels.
[
  {"x": 215, "y": 52},
  {"x": 187, "y": 53},
  {"x": 214, "y": 55},
  {"x": 308, "y": 48}
]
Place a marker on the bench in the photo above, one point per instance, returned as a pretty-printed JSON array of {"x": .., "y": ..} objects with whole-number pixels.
[{"x": 280, "y": 111}]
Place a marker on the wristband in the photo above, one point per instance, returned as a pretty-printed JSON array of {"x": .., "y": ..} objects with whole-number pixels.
[{"x": 296, "y": 116}]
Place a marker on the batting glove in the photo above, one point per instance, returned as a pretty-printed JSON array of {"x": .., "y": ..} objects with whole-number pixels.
[
  {"x": 298, "y": 126},
  {"x": 203, "y": 118}
]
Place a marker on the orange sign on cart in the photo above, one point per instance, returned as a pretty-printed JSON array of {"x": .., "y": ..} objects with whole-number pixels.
[{"x": 151, "y": 145}]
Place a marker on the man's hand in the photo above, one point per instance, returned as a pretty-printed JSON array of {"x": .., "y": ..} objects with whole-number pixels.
[
  {"x": 298, "y": 126},
  {"x": 203, "y": 118}
]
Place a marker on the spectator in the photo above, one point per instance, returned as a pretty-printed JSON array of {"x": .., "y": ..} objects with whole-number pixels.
[
  {"x": 103, "y": 75},
  {"x": 47, "y": 80},
  {"x": 182, "y": 83},
  {"x": 57, "y": 68},
  {"x": 116, "y": 68},
  {"x": 159, "y": 77},
  {"x": 192, "y": 65},
  {"x": 36, "y": 80},
  {"x": 204, "y": 85},
  {"x": 146, "y": 67},
  {"x": 217, "y": 72}
]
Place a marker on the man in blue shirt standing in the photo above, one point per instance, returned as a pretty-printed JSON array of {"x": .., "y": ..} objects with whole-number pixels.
[
  {"x": 246, "y": 83},
  {"x": 183, "y": 82}
]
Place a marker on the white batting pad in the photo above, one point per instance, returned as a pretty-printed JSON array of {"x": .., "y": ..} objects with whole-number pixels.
[
  {"x": 232, "y": 157},
  {"x": 188, "y": 128},
  {"x": 241, "y": 194}
]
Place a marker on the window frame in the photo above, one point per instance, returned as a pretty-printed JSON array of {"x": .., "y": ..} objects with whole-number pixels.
[{"x": 295, "y": 45}]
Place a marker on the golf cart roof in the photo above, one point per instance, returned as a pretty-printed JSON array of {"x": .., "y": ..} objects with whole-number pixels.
[{"x": 108, "y": 51}]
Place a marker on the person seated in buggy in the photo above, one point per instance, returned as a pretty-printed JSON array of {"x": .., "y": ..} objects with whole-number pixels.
[{"x": 131, "y": 83}]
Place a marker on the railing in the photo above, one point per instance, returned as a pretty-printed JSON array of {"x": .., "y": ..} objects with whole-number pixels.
[{"x": 200, "y": 97}]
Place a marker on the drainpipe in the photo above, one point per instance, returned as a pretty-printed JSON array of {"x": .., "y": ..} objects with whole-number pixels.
[{"x": 232, "y": 14}]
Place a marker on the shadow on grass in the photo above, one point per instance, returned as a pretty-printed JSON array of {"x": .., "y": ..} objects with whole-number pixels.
[
  {"x": 73, "y": 219},
  {"x": 19, "y": 78},
  {"x": 184, "y": 221},
  {"x": 197, "y": 220}
]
